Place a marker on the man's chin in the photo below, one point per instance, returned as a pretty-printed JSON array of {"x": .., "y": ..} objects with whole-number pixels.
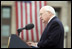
[{"x": 43, "y": 22}]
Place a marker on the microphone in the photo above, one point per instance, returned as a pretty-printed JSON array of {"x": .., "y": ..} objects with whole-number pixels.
[{"x": 27, "y": 27}]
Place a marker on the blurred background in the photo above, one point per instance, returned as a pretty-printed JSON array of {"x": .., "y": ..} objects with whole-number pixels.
[{"x": 9, "y": 21}]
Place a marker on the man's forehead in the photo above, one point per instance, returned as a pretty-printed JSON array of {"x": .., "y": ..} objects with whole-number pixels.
[{"x": 42, "y": 9}]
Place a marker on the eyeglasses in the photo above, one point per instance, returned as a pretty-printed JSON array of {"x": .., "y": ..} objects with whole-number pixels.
[{"x": 42, "y": 13}]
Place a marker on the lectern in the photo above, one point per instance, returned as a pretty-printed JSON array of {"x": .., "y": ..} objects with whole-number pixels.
[{"x": 16, "y": 42}]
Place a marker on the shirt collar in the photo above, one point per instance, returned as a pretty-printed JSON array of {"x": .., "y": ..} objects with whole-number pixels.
[{"x": 51, "y": 18}]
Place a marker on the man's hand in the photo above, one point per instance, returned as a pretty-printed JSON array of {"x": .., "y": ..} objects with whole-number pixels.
[
  {"x": 32, "y": 43},
  {"x": 29, "y": 43}
]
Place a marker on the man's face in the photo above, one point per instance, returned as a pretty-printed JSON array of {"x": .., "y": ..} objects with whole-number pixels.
[{"x": 44, "y": 16}]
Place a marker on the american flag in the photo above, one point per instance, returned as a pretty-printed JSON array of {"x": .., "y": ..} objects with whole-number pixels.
[{"x": 28, "y": 12}]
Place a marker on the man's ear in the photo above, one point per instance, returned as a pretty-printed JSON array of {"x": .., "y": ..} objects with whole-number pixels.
[{"x": 49, "y": 12}]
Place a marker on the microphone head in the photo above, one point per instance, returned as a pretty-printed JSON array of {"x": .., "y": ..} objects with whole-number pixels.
[{"x": 29, "y": 26}]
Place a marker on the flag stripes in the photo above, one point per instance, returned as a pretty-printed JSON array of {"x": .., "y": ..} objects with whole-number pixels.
[{"x": 26, "y": 13}]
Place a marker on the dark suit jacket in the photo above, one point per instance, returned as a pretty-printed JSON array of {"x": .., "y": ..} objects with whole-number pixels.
[{"x": 53, "y": 35}]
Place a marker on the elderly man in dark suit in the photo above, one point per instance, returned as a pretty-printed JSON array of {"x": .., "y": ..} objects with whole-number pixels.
[{"x": 53, "y": 35}]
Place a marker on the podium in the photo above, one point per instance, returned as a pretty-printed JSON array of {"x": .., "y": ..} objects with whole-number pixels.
[{"x": 16, "y": 42}]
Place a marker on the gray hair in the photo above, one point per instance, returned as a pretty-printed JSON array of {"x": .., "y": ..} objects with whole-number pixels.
[{"x": 49, "y": 8}]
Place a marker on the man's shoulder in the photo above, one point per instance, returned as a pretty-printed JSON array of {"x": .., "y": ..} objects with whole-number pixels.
[{"x": 56, "y": 20}]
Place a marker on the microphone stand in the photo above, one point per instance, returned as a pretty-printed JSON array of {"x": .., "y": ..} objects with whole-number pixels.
[{"x": 19, "y": 30}]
